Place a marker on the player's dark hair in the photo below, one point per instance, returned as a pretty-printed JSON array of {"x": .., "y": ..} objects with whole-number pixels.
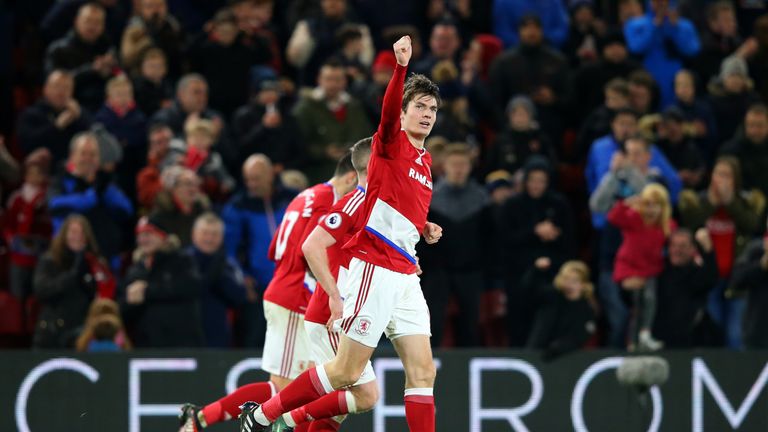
[
  {"x": 361, "y": 152},
  {"x": 420, "y": 85},
  {"x": 344, "y": 165}
]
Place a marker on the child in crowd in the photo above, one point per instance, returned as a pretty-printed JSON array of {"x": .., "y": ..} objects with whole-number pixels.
[
  {"x": 152, "y": 88},
  {"x": 103, "y": 330},
  {"x": 645, "y": 222}
]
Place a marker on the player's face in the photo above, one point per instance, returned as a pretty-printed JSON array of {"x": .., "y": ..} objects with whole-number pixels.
[{"x": 420, "y": 116}]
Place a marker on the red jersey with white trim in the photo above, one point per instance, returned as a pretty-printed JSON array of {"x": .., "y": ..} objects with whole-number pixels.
[
  {"x": 343, "y": 221},
  {"x": 287, "y": 287},
  {"x": 398, "y": 194}
]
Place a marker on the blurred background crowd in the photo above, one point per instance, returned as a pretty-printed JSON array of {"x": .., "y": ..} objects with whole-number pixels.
[{"x": 600, "y": 166}]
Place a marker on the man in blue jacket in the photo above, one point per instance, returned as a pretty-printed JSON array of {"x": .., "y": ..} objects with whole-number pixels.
[
  {"x": 662, "y": 38},
  {"x": 251, "y": 218}
]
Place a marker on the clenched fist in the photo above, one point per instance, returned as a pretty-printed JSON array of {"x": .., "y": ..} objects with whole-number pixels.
[{"x": 403, "y": 50}]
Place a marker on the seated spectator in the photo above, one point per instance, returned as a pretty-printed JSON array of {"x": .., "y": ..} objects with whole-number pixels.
[
  {"x": 160, "y": 294},
  {"x": 59, "y": 18},
  {"x": 153, "y": 26},
  {"x": 642, "y": 92},
  {"x": 224, "y": 58},
  {"x": 148, "y": 183},
  {"x": 598, "y": 122},
  {"x": 586, "y": 29},
  {"x": 508, "y": 14},
  {"x": 251, "y": 217},
  {"x": 27, "y": 229},
  {"x": 54, "y": 119},
  {"x": 457, "y": 265},
  {"x": 645, "y": 222},
  {"x": 66, "y": 280},
  {"x": 664, "y": 40},
  {"x": 329, "y": 119},
  {"x": 88, "y": 53},
  {"x": 700, "y": 122},
  {"x": 565, "y": 320},
  {"x": 536, "y": 225},
  {"x": 731, "y": 95},
  {"x": 719, "y": 39},
  {"x": 180, "y": 202},
  {"x": 103, "y": 330},
  {"x": 313, "y": 41},
  {"x": 750, "y": 277},
  {"x": 750, "y": 147},
  {"x": 152, "y": 87},
  {"x": 520, "y": 139},
  {"x": 535, "y": 70},
  {"x": 681, "y": 151},
  {"x": 197, "y": 155},
  {"x": 731, "y": 216},
  {"x": 690, "y": 272},
  {"x": 83, "y": 189},
  {"x": 222, "y": 279},
  {"x": 128, "y": 125},
  {"x": 266, "y": 126}
]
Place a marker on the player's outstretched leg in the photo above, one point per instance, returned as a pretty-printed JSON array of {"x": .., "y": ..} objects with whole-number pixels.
[{"x": 194, "y": 418}]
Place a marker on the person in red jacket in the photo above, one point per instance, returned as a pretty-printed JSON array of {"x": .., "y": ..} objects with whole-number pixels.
[{"x": 645, "y": 222}]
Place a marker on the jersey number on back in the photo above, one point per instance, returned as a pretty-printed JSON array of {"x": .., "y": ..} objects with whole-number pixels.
[{"x": 289, "y": 220}]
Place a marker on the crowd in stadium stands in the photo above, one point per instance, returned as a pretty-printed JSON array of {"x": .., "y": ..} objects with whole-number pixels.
[{"x": 601, "y": 167}]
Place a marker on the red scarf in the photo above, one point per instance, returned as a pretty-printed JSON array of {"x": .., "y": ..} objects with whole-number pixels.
[
  {"x": 195, "y": 158},
  {"x": 122, "y": 112},
  {"x": 105, "y": 282}
]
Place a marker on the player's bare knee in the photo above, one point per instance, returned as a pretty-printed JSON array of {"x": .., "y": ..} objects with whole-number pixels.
[
  {"x": 422, "y": 375},
  {"x": 366, "y": 396},
  {"x": 342, "y": 374}
]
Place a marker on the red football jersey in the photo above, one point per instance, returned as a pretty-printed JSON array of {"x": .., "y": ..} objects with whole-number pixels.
[
  {"x": 342, "y": 222},
  {"x": 399, "y": 191},
  {"x": 287, "y": 287}
]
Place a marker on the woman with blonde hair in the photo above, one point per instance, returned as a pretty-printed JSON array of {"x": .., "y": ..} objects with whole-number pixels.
[
  {"x": 645, "y": 221},
  {"x": 566, "y": 320}
]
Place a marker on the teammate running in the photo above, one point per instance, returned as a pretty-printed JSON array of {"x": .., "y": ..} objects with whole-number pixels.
[
  {"x": 383, "y": 292},
  {"x": 286, "y": 347}
]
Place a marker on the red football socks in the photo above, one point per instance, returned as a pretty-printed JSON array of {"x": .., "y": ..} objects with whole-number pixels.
[
  {"x": 420, "y": 409},
  {"x": 309, "y": 386},
  {"x": 324, "y": 425},
  {"x": 330, "y": 405},
  {"x": 228, "y": 407}
]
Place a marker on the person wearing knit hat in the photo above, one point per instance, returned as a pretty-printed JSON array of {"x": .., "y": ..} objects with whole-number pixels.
[
  {"x": 731, "y": 94},
  {"x": 500, "y": 185}
]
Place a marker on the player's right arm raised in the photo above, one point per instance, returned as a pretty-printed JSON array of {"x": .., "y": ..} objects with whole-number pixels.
[{"x": 389, "y": 126}]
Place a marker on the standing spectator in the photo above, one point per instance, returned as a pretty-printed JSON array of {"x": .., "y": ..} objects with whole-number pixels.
[
  {"x": 536, "y": 228},
  {"x": 330, "y": 119},
  {"x": 664, "y": 40},
  {"x": 750, "y": 277},
  {"x": 645, "y": 222},
  {"x": 535, "y": 70},
  {"x": 88, "y": 53},
  {"x": 54, "y": 119},
  {"x": 690, "y": 272},
  {"x": 148, "y": 183},
  {"x": 731, "y": 216},
  {"x": 81, "y": 188},
  {"x": 700, "y": 122},
  {"x": 153, "y": 26},
  {"x": 719, "y": 39},
  {"x": 508, "y": 14},
  {"x": 66, "y": 281},
  {"x": 59, "y": 18},
  {"x": 566, "y": 319},
  {"x": 224, "y": 58},
  {"x": 444, "y": 46},
  {"x": 152, "y": 87},
  {"x": 642, "y": 92},
  {"x": 475, "y": 71},
  {"x": 758, "y": 60},
  {"x": 313, "y": 40},
  {"x": 750, "y": 147},
  {"x": 222, "y": 280},
  {"x": 27, "y": 223},
  {"x": 731, "y": 95},
  {"x": 266, "y": 126},
  {"x": 251, "y": 217},
  {"x": 255, "y": 21},
  {"x": 681, "y": 151},
  {"x": 598, "y": 122},
  {"x": 581, "y": 47},
  {"x": 520, "y": 139},
  {"x": 457, "y": 265},
  {"x": 160, "y": 295},
  {"x": 128, "y": 125},
  {"x": 180, "y": 202}
]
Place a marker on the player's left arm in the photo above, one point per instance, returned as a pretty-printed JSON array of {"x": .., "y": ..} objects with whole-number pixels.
[
  {"x": 315, "y": 252},
  {"x": 432, "y": 232}
]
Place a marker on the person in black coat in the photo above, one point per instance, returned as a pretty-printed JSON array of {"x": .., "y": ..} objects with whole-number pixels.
[
  {"x": 458, "y": 264},
  {"x": 565, "y": 319},
  {"x": 537, "y": 228},
  {"x": 690, "y": 273},
  {"x": 65, "y": 283},
  {"x": 88, "y": 53},
  {"x": 222, "y": 280},
  {"x": 750, "y": 275},
  {"x": 161, "y": 292},
  {"x": 597, "y": 124},
  {"x": 151, "y": 85}
]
